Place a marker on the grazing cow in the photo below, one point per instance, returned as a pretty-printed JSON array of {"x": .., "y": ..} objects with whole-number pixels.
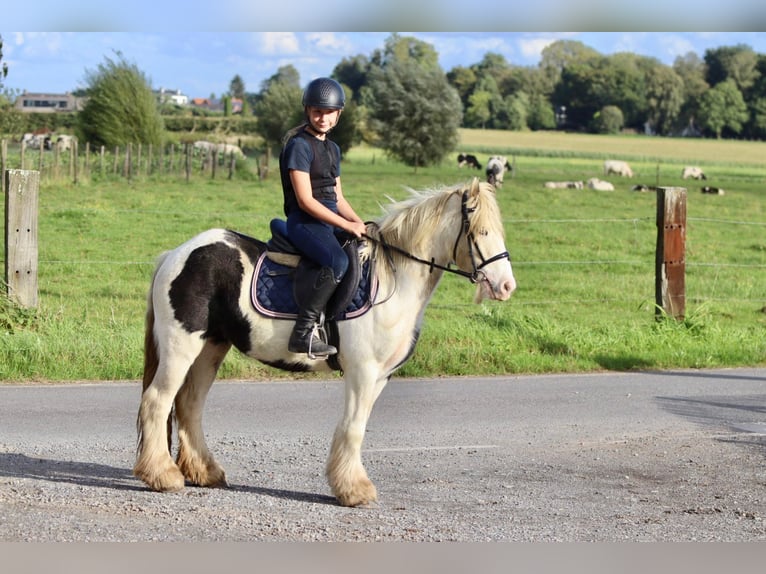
[
  {"x": 712, "y": 190},
  {"x": 468, "y": 160},
  {"x": 225, "y": 149},
  {"x": 203, "y": 147},
  {"x": 617, "y": 167},
  {"x": 600, "y": 184},
  {"x": 693, "y": 172},
  {"x": 564, "y": 185},
  {"x": 497, "y": 165},
  {"x": 34, "y": 141},
  {"x": 64, "y": 142}
]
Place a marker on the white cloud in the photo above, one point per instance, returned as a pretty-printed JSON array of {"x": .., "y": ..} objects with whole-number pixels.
[
  {"x": 280, "y": 43},
  {"x": 329, "y": 42}
]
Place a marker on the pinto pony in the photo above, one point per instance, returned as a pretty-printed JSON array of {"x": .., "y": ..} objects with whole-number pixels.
[{"x": 199, "y": 306}]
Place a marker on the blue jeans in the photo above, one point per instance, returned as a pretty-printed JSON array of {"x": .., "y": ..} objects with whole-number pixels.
[{"x": 317, "y": 241}]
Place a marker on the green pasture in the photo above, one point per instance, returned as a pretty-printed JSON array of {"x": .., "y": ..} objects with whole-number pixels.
[{"x": 583, "y": 260}]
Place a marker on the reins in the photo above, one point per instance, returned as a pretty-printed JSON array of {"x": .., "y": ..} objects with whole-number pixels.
[{"x": 473, "y": 276}]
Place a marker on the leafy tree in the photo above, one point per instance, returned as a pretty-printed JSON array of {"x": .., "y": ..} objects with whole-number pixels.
[
  {"x": 692, "y": 71},
  {"x": 10, "y": 119},
  {"x": 464, "y": 81},
  {"x": 723, "y": 107},
  {"x": 237, "y": 87},
  {"x": 121, "y": 107},
  {"x": 348, "y": 132},
  {"x": 758, "y": 115},
  {"x": 352, "y": 74},
  {"x": 406, "y": 49},
  {"x": 4, "y": 67},
  {"x": 492, "y": 65},
  {"x": 665, "y": 96},
  {"x": 540, "y": 116},
  {"x": 562, "y": 54},
  {"x": 279, "y": 107},
  {"x": 736, "y": 63},
  {"x": 479, "y": 111},
  {"x": 575, "y": 90},
  {"x": 608, "y": 120},
  {"x": 415, "y": 110},
  {"x": 516, "y": 108},
  {"x": 623, "y": 84},
  {"x": 586, "y": 87}
]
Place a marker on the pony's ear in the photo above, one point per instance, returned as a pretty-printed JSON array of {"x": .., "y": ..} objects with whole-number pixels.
[{"x": 476, "y": 185}]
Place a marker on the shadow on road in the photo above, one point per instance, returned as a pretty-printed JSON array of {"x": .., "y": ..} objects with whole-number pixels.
[
  {"x": 705, "y": 375},
  {"x": 82, "y": 473},
  {"x": 16, "y": 465},
  {"x": 743, "y": 415},
  {"x": 287, "y": 494}
]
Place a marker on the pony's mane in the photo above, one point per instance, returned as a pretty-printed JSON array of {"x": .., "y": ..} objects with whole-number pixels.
[{"x": 410, "y": 223}]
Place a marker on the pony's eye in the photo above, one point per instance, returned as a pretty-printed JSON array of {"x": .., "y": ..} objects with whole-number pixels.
[{"x": 483, "y": 232}]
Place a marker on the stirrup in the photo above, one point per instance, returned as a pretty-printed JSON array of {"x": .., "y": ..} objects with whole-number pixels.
[{"x": 331, "y": 350}]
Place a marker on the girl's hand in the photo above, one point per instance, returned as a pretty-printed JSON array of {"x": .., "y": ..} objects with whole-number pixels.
[{"x": 357, "y": 228}]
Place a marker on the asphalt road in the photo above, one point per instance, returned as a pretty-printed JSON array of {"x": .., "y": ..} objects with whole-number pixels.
[{"x": 653, "y": 456}]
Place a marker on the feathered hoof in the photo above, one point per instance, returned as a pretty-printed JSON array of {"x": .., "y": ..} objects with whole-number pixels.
[
  {"x": 209, "y": 475},
  {"x": 171, "y": 480},
  {"x": 360, "y": 495}
]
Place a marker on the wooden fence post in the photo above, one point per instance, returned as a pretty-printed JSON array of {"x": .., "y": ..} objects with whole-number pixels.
[
  {"x": 188, "y": 162},
  {"x": 670, "y": 261},
  {"x": 3, "y": 161},
  {"x": 21, "y": 235}
]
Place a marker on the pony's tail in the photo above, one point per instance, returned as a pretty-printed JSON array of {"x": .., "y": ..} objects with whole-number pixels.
[{"x": 151, "y": 356}]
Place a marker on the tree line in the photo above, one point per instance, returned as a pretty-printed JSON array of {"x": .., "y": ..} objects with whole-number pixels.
[{"x": 401, "y": 100}]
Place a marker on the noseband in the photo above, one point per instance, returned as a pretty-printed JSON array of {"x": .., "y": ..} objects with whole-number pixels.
[{"x": 473, "y": 249}]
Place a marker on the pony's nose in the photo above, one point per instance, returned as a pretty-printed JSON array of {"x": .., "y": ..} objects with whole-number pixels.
[{"x": 507, "y": 287}]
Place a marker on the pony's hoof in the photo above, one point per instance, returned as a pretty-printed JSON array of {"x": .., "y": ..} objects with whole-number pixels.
[
  {"x": 364, "y": 496},
  {"x": 209, "y": 475},
  {"x": 170, "y": 481}
]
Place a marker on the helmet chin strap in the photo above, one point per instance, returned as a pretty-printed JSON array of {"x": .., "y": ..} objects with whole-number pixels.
[{"x": 315, "y": 131}]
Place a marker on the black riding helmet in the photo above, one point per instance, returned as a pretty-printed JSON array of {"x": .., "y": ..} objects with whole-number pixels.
[{"x": 324, "y": 93}]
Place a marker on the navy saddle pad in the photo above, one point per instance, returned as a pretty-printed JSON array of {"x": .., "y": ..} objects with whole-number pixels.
[{"x": 272, "y": 291}]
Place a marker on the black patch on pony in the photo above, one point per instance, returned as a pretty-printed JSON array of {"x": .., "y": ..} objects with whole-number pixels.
[
  {"x": 249, "y": 245},
  {"x": 205, "y": 295}
]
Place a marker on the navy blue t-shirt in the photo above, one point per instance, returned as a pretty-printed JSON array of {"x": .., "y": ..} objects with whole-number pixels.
[{"x": 320, "y": 159}]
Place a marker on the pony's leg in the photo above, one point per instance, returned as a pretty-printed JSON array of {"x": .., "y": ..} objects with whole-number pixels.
[
  {"x": 154, "y": 464},
  {"x": 194, "y": 459},
  {"x": 345, "y": 473}
]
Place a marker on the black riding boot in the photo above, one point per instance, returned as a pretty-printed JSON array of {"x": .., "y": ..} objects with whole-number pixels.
[{"x": 314, "y": 295}]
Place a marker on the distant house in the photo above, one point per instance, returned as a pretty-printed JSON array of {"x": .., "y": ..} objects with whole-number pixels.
[
  {"x": 48, "y": 103},
  {"x": 165, "y": 96},
  {"x": 214, "y": 105},
  {"x": 207, "y": 104}
]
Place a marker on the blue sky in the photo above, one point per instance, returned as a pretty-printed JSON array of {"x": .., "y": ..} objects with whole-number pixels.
[{"x": 203, "y": 63}]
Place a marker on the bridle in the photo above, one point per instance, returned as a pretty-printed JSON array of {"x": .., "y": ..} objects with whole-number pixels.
[{"x": 473, "y": 249}]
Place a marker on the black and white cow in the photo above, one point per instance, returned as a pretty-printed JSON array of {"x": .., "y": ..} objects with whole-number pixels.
[
  {"x": 693, "y": 172},
  {"x": 496, "y": 168},
  {"x": 468, "y": 160},
  {"x": 34, "y": 141}
]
